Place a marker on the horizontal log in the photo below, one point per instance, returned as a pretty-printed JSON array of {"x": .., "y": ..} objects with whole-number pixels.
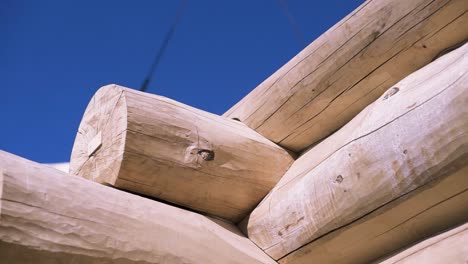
[
  {"x": 448, "y": 247},
  {"x": 417, "y": 132},
  {"x": 350, "y": 66},
  {"x": 50, "y": 217},
  {"x": 413, "y": 217},
  {"x": 155, "y": 146}
]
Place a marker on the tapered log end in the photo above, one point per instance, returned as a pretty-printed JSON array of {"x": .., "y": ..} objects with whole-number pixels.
[{"x": 100, "y": 140}]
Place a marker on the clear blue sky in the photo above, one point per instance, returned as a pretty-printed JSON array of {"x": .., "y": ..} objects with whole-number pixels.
[{"x": 55, "y": 54}]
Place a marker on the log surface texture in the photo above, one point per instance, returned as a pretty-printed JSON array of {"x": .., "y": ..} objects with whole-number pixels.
[
  {"x": 48, "y": 217},
  {"x": 415, "y": 134},
  {"x": 155, "y": 146},
  {"x": 415, "y": 216},
  {"x": 448, "y": 247},
  {"x": 350, "y": 66}
]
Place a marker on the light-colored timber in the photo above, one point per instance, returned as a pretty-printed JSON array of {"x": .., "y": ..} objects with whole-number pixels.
[
  {"x": 49, "y": 217},
  {"x": 448, "y": 247},
  {"x": 350, "y": 66},
  {"x": 415, "y": 216},
  {"x": 155, "y": 146},
  {"x": 416, "y": 133}
]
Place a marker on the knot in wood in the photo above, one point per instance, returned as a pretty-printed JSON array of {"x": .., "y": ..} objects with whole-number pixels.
[
  {"x": 391, "y": 92},
  {"x": 206, "y": 154},
  {"x": 339, "y": 179}
]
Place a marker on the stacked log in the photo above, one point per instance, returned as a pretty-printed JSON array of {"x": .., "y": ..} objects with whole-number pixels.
[
  {"x": 448, "y": 247},
  {"x": 390, "y": 176},
  {"x": 48, "y": 217},
  {"x": 412, "y": 140},
  {"x": 350, "y": 66},
  {"x": 412, "y": 217},
  {"x": 155, "y": 146}
]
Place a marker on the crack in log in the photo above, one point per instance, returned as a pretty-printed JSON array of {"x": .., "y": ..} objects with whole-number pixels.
[{"x": 378, "y": 128}]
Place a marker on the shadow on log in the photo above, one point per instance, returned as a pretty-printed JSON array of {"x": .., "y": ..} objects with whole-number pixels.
[
  {"x": 412, "y": 136},
  {"x": 48, "y": 217},
  {"x": 448, "y": 247},
  {"x": 350, "y": 66}
]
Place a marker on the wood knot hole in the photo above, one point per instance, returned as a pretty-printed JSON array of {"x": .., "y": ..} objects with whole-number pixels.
[
  {"x": 339, "y": 179},
  {"x": 206, "y": 154},
  {"x": 391, "y": 92}
]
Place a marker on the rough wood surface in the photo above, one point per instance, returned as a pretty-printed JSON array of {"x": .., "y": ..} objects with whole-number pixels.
[
  {"x": 349, "y": 67},
  {"x": 448, "y": 247},
  {"x": 49, "y": 217},
  {"x": 417, "y": 132},
  {"x": 415, "y": 216},
  {"x": 155, "y": 146}
]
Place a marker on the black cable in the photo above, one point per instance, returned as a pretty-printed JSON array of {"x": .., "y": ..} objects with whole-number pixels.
[
  {"x": 296, "y": 29},
  {"x": 165, "y": 43}
]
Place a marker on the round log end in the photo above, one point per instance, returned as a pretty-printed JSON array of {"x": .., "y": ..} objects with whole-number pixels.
[{"x": 100, "y": 140}]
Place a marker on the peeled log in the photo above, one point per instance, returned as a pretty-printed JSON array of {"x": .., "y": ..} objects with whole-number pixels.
[
  {"x": 48, "y": 217},
  {"x": 448, "y": 247},
  {"x": 350, "y": 66},
  {"x": 415, "y": 134},
  {"x": 155, "y": 146},
  {"x": 415, "y": 216}
]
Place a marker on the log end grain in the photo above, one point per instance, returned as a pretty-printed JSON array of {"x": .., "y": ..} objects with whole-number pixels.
[{"x": 100, "y": 137}]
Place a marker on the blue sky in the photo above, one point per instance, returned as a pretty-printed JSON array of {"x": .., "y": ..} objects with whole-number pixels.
[{"x": 55, "y": 54}]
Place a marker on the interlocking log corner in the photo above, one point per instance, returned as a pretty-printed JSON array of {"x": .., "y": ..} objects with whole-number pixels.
[{"x": 414, "y": 135}]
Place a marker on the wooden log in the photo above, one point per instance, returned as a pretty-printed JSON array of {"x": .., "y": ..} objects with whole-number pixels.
[
  {"x": 350, "y": 66},
  {"x": 155, "y": 146},
  {"x": 416, "y": 133},
  {"x": 412, "y": 217},
  {"x": 448, "y": 247},
  {"x": 50, "y": 217}
]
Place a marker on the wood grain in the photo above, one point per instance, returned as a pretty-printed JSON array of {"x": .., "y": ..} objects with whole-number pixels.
[
  {"x": 49, "y": 217},
  {"x": 448, "y": 247},
  {"x": 350, "y": 66},
  {"x": 155, "y": 146},
  {"x": 417, "y": 132},
  {"x": 421, "y": 213}
]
